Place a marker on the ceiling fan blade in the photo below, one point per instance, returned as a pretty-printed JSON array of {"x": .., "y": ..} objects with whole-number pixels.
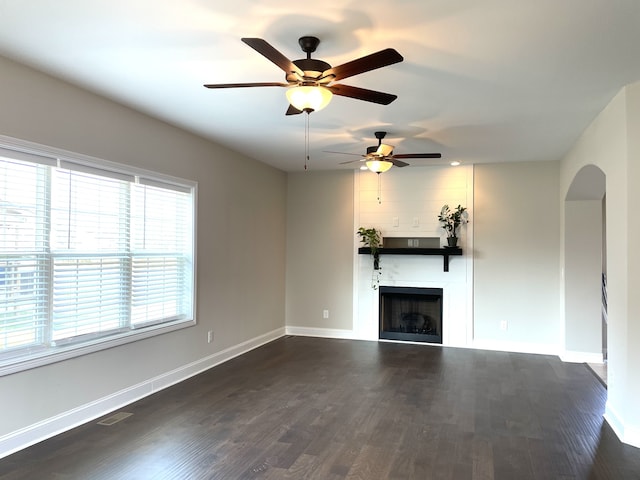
[
  {"x": 380, "y": 59},
  {"x": 293, "y": 111},
  {"x": 343, "y": 153},
  {"x": 362, "y": 94},
  {"x": 351, "y": 161},
  {"x": 240, "y": 85},
  {"x": 384, "y": 150},
  {"x": 266, "y": 50},
  {"x": 418, "y": 155},
  {"x": 398, "y": 163}
]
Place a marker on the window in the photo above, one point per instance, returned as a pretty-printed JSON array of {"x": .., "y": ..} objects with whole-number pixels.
[{"x": 92, "y": 254}]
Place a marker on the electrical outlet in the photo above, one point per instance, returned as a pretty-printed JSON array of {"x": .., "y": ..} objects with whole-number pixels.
[
  {"x": 504, "y": 325},
  {"x": 396, "y": 221},
  {"x": 325, "y": 314},
  {"x": 210, "y": 336},
  {"x": 416, "y": 222}
]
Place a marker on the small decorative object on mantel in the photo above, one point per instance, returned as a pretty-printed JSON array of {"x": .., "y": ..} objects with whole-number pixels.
[
  {"x": 451, "y": 220},
  {"x": 372, "y": 239}
]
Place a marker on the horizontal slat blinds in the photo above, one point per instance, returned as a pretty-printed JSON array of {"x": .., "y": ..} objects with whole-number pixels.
[
  {"x": 157, "y": 291},
  {"x": 89, "y": 252},
  {"x": 23, "y": 302},
  {"x": 23, "y": 244},
  {"x": 160, "y": 238},
  {"x": 89, "y": 296}
]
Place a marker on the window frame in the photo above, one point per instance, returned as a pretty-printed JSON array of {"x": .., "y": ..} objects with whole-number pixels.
[{"x": 36, "y": 153}]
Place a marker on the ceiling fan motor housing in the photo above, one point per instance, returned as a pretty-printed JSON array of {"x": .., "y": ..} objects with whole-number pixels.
[
  {"x": 312, "y": 68},
  {"x": 371, "y": 150}
]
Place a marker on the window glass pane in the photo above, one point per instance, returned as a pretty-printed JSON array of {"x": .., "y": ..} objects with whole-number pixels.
[
  {"x": 22, "y": 206},
  {"x": 161, "y": 220},
  {"x": 88, "y": 213}
]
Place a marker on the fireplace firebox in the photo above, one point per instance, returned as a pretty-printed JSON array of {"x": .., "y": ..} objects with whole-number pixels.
[{"x": 411, "y": 314}]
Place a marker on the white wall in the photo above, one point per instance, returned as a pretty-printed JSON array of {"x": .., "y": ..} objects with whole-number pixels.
[
  {"x": 516, "y": 257},
  {"x": 240, "y": 262},
  {"x": 632, "y": 412},
  {"x": 611, "y": 143},
  {"x": 414, "y": 196}
]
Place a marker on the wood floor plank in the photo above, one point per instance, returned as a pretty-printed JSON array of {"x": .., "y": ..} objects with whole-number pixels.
[
  {"x": 372, "y": 462},
  {"x": 313, "y": 408}
]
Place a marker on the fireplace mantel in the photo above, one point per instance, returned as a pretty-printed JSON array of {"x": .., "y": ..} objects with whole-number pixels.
[{"x": 445, "y": 252}]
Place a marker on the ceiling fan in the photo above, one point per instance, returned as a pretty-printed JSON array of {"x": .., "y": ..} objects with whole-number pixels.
[
  {"x": 314, "y": 77},
  {"x": 380, "y": 158}
]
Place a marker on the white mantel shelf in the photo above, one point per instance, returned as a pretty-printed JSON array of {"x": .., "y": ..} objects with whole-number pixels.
[{"x": 445, "y": 252}]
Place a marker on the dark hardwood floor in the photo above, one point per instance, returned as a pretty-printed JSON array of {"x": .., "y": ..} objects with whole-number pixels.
[{"x": 312, "y": 408}]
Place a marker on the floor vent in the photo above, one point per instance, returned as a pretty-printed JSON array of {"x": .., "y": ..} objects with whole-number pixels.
[{"x": 115, "y": 418}]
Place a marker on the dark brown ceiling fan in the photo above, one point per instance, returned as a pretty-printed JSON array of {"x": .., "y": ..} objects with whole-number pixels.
[
  {"x": 384, "y": 153},
  {"x": 311, "y": 72}
]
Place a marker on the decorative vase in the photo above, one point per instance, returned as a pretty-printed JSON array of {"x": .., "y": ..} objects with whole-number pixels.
[
  {"x": 452, "y": 241},
  {"x": 376, "y": 261}
]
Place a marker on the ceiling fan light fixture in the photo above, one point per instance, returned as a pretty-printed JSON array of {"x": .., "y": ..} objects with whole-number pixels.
[
  {"x": 378, "y": 166},
  {"x": 308, "y": 98}
]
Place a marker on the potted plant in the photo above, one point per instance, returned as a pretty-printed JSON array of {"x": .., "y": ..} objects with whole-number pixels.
[
  {"x": 451, "y": 220},
  {"x": 371, "y": 238}
]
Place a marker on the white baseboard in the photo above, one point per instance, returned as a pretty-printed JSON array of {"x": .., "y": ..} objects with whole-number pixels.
[
  {"x": 570, "y": 356},
  {"x": 516, "y": 347},
  {"x": 632, "y": 436},
  {"x": 52, "y": 426},
  {"x": 628, "y": 435},
  {"x": 614, "y": 421},
  {"x": 320, "y": 332},
  {"x": 543, "y": 349}
]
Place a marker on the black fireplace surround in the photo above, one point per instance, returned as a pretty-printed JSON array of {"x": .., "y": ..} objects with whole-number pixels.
[{"x": 411, "y": 314}]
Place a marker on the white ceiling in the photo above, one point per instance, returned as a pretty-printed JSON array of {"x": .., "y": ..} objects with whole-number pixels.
[{"x": 481, "y": 81}]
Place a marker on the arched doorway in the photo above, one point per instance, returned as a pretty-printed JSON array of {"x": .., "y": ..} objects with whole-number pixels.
[{"x": 585, "y": 266}]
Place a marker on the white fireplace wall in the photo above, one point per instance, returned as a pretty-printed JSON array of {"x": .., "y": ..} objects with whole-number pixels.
[{"x": 410, "y": 200}]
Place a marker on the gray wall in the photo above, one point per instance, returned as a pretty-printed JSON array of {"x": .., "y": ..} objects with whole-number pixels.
[
  {"x": 516, "y": 258},
  {"x": 516, "y": 254},
  {"x": 320, "y": 250},
  {"x": 240, "y": 239},
  {"x": 583, "y": 276}
]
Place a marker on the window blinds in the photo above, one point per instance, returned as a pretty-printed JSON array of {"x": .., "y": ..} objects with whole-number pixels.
[{"x": 87, "y": 253}]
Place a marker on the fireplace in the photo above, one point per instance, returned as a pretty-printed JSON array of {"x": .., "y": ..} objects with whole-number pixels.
[{"x": 411, "y": 314}]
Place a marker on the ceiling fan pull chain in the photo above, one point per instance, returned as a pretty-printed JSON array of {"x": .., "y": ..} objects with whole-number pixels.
[
  {"x": 306, "y": 140},
  {"x": 379, "y": 189}
]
